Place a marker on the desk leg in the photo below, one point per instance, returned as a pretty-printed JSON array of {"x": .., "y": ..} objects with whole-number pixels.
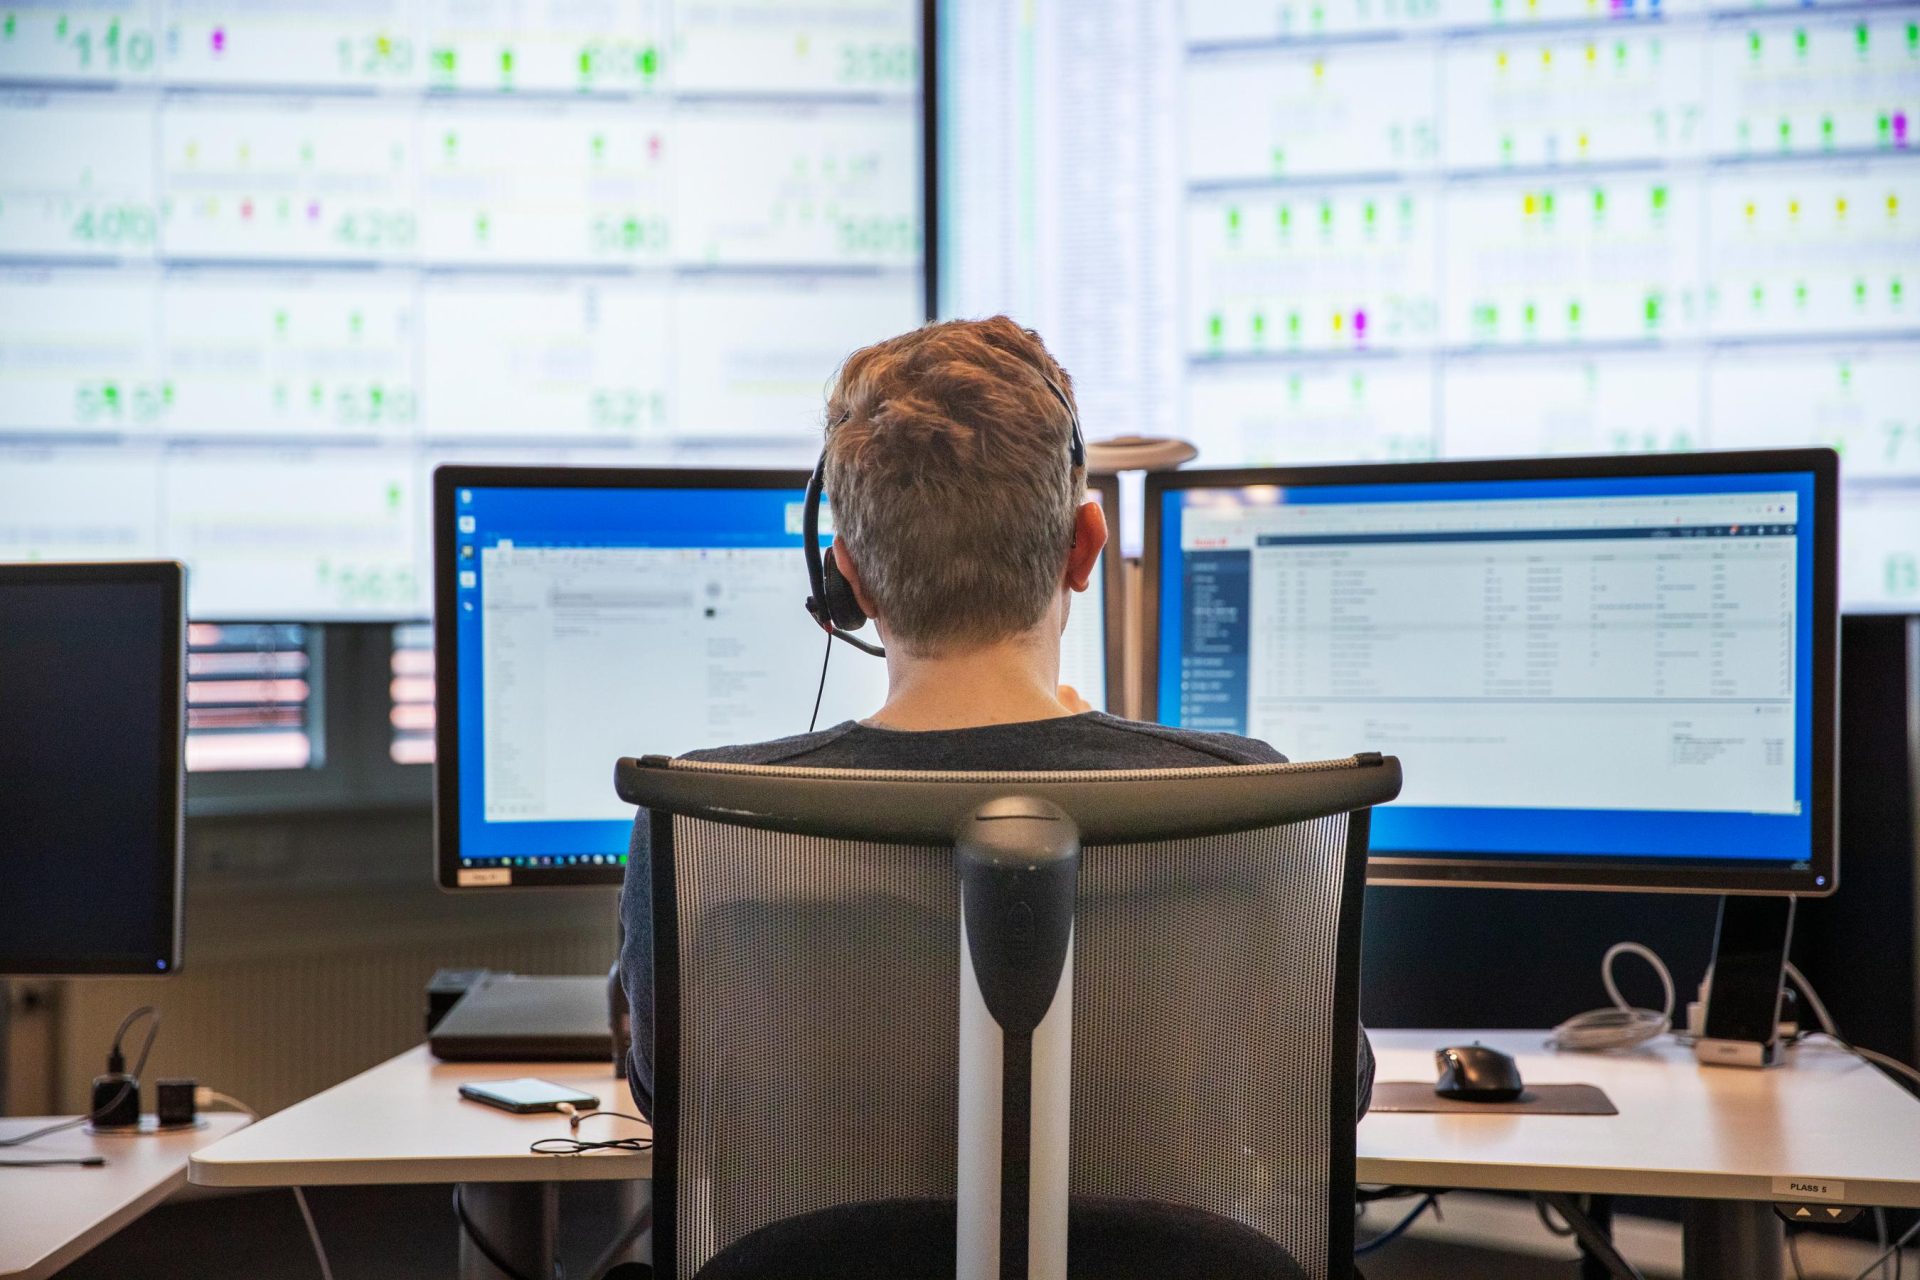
[
  {"x": 1732, "y": 1240},
  {"x": 1600, "y": 1213},
  {"x": 1598, "y": 1257},
  {"x": 633, "y": 1207},
  {"x": 520, "y": 1221}
]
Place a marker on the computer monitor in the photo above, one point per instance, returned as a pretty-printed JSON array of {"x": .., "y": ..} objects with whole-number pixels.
[
  {"x": 583, "y": 614},
  {"x": 92, "y": 662},
  {"x": 1598, "y": 672}
]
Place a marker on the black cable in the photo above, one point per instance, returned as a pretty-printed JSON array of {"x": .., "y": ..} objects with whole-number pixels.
[
  {"x": 1397, "y": 1230},
  {"x": 120, "y": 1034},
  {"x": 575, "y": 1146},
  {"x": 480, "y": 1242},
  {"x": 580, "y": 1147},
  {"x": 814, "y": 719},
  {"x": 1903, "y": 1075},
  {"x": 1596, "y": 1241},
  {"x": 115, "y": 1062},
  {"x": 1893, "y": 1249},
  {"x": 84, "y": 1162},
  {"x": 1553, "y": 1229}
]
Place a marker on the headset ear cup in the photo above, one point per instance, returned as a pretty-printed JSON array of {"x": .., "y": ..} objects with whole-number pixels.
[{"x": 842, "y": 606}]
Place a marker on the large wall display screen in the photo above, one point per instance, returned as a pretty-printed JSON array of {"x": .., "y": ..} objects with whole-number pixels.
[
  {"x": 1392, "y": 230},
  {"x": 262, "y": 267}
]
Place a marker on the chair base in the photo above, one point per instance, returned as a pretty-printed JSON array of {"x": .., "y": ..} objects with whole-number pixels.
[{"x": 1107, "y": 1239}]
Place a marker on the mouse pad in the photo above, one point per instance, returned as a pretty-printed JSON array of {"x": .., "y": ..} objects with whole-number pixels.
[{"x": 1535, "y": 1099}]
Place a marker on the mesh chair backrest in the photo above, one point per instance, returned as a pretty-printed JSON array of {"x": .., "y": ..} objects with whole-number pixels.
[
  {"x": 818, "y": 1031},
  {"x": 1207, "y": 1058},
  {"x": 808, "y": 1028}
]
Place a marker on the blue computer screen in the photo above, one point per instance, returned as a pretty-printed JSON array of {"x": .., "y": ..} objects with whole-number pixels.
[
  {"x": 1579, "y": 668},
  {"x": 594, "y": 622}
]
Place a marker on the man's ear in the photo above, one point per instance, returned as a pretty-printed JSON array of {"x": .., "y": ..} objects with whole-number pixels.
[
  {"x": 1089, "y": 538},
  {"x": 843, "y": 560}
]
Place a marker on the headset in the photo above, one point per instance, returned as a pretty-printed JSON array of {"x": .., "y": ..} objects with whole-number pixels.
[{"x": 832, "y": 603}]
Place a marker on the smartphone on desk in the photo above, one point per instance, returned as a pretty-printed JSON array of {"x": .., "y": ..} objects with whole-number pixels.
[{"x": 527, "y": 1094}]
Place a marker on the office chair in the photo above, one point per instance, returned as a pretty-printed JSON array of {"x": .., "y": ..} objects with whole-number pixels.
[{"x": 1000, "y": 1024}]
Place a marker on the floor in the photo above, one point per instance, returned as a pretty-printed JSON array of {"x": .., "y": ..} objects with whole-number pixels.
[{"x": 370, "y": 1233}]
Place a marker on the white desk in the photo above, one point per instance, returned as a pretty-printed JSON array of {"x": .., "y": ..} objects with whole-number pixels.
[
  {"x": 1710, "y": 1134},
  {"x": 1720, "y": 1133},
  {"x": 49, "y": 1217},
  {"x": 405, "y": 1121},
  {"x": 1825, "y": 1128}
]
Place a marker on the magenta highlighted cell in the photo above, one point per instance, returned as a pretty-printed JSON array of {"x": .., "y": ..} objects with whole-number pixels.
[
  {"x": 218, "y": 39},
  {"x": 313, "y": 211},
  {"x": 1359, "y": 326},
  {"x": 1899, "y": 128}
]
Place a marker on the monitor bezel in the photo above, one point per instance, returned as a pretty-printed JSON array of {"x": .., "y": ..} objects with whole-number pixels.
[
  {"x": 1444, "y": 867},
  {"x": 170, "y": 786},
  {"x": 449, "y": 478}
]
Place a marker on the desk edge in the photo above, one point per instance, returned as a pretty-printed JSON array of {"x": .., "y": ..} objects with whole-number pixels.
[
  {"x": 1471, "y": 1176},
  {"x": 612, "y": 1166}
]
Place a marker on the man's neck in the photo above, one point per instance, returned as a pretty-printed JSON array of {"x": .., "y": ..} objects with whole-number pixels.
[{"x": 1009, "y": 682}]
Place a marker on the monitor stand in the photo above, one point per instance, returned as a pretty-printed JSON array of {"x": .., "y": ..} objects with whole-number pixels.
[{"x": 1742, "y": 1017}]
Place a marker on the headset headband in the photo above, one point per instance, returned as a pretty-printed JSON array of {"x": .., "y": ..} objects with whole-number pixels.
[{"x": 1076, "y": 443}]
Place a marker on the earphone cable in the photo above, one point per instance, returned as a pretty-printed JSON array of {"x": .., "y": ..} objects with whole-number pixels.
[{"x": 821, "y": 692}]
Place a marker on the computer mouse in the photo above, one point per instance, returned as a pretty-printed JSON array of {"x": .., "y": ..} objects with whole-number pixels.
[{"x": 1475, "y": 1073}]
